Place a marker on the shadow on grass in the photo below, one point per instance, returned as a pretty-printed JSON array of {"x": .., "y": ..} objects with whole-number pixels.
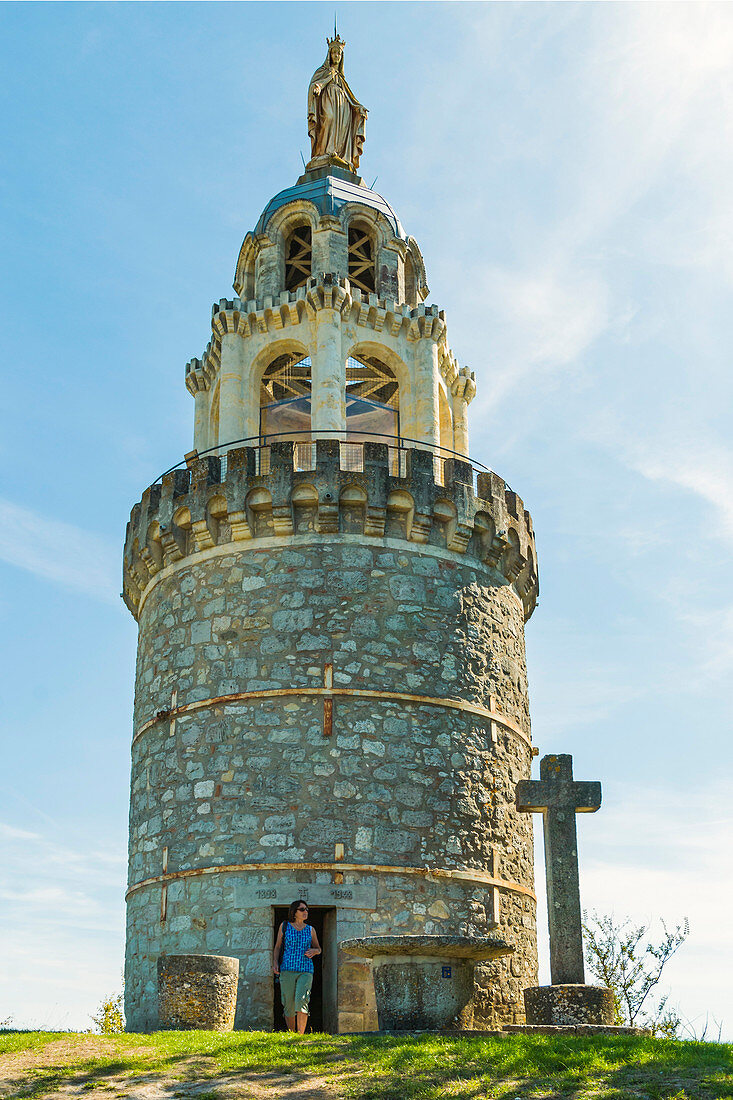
[
  {"x": 49, "y": 1080},
  {"x": 547, "y": 1067},
  {"x": 413, "y": 1067}
]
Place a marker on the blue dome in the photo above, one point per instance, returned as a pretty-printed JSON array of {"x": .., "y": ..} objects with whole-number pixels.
[{"x": 329, "y": 194}]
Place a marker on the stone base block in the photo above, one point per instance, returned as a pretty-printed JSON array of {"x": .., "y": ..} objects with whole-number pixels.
[
  {"x": 573, "y": 1029},
  {"x": 424, "y": 994},
  {"x": 524, "y": 1029},
  {"x": 197, "y": 992},
  {"x": 563, "y": 1005}
]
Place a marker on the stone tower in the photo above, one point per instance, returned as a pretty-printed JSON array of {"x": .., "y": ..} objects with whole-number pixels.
[{"x": 331, "y": 694}]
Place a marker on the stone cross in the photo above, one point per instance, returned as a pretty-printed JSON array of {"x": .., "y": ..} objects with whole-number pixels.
[{"x": 558, "y": 798}]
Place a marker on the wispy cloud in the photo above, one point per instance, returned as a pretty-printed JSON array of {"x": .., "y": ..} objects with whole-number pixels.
[
  {"x": 58, "y": 552},
  {"x": 582, "y": 695},
  {"x": 647, "y": 110},
  {"x": 10, "y": 832},
  {"x": 699, "y": 466},
  {"x": 73, "y": 864},
  {"x": 551, "y": 316},
  {"x": 63, "y": 939}
]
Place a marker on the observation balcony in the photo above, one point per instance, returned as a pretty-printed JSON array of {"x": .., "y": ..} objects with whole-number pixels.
[
  {"x": 329, "y": 484},
  {"x": 351, "y": 453}
]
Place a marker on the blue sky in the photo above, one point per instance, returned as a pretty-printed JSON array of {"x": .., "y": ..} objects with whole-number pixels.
[{"x": 566, "y": 170}]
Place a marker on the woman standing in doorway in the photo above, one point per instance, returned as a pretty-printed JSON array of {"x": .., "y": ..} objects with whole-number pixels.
[{"x": 299, "y": 944}]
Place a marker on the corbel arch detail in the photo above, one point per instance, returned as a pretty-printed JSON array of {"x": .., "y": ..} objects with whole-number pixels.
[
  {"x": 295, "y": 213},
  {"x": 417, "y": 289},
  {"x": 244, "y": 275}
]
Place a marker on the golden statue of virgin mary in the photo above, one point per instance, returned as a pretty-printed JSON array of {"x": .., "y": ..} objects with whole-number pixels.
[{"x": 336, "y": 118}]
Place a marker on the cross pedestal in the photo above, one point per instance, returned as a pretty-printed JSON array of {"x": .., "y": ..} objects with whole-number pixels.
[{"x": 558, "y": 797}]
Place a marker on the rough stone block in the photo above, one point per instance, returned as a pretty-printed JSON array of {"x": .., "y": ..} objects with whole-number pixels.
[
  {"x": 569, "y": 1005},
  {"x": 197, "y": 992}
]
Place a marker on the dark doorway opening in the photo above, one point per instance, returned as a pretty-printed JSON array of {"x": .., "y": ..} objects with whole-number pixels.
[{"x": 323, "y": 1000}]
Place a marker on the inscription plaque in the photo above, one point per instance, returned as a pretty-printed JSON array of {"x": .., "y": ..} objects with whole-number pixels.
[{"x": 255, "y": 895}]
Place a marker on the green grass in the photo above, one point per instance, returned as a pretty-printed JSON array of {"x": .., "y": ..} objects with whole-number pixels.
[{"x": 529, "y": 1067}]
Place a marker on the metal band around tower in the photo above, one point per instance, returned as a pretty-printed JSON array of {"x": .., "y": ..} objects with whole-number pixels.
[
  {"x": 331, "y": 692},
  {"x": 477, "y": 876}
]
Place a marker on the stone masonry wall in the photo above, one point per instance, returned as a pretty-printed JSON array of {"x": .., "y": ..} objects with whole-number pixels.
[
  {"x": 257, "y": 781},
  {"x": 261, "y": 779}
]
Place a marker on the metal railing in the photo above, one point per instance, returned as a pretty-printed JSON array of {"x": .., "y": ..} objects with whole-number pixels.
[{"x": 351, "y": 452}]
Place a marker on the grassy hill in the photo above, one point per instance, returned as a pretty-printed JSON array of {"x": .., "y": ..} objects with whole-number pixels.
[{"x": 260, "y": 1066}]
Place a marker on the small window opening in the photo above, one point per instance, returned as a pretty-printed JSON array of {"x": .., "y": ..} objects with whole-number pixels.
[
  {"x": 361, "y": 260},
  {"x": 299, "y": 258}
]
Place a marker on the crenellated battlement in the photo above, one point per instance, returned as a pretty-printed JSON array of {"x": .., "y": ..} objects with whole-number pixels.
[
  {"x": 258, "y": 493},
  {"x": 326, "y": 291}
]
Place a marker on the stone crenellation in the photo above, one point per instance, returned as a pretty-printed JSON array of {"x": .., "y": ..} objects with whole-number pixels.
[
  {"x": 326, "y": 291},
  {"x": 197, "y": 508}
]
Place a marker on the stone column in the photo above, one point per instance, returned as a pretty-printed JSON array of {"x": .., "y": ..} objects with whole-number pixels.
[
  {"x": 197, "y": 386},
  {"x": 328, "y": 377},
  {"x": 201, "y": 420},
  {"x": 330, "y": 248},
  {"x": 231, "y": 398},
  {"x": 425, "y": 399},
  {"x": 463, "y": 391},
  {"x": 391, "y": 271},
  {"x": 269, "y": 269}
]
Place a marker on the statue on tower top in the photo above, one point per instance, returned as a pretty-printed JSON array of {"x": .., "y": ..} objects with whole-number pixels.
[{"x": 336, "y": 118}]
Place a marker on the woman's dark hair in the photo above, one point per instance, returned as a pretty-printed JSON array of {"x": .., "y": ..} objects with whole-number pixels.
[{"x": 294, "y": 907}]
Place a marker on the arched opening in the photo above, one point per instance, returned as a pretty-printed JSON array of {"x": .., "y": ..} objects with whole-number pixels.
[
  {"x": 298, "y": 257},
  {"x": 285, "y": 406},
  {"x": 361, "y": 259},
  {"x": 372, "y": 409}
]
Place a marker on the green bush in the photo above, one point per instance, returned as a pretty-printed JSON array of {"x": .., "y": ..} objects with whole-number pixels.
[{"x": 109, "y": 1018}]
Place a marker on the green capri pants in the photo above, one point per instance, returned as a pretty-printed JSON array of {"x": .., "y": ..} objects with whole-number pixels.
[{"x": 295, "y": 990}]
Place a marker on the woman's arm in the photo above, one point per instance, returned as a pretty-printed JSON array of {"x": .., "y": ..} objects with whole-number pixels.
[
  {"x": 276, "y": 951},
  {"x": 315, "y": 947}
]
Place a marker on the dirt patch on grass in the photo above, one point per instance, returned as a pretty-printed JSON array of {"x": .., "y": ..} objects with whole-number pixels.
[
  {"x": 43, "y": 1070},
  {"x": 51, "y": 1072},
  {"x": 62, "y": 1052},
  {"x": 240, "y": 1086}
]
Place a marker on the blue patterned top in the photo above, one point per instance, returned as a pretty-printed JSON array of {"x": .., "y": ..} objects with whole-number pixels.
[{"x": 296, "y": 943}]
